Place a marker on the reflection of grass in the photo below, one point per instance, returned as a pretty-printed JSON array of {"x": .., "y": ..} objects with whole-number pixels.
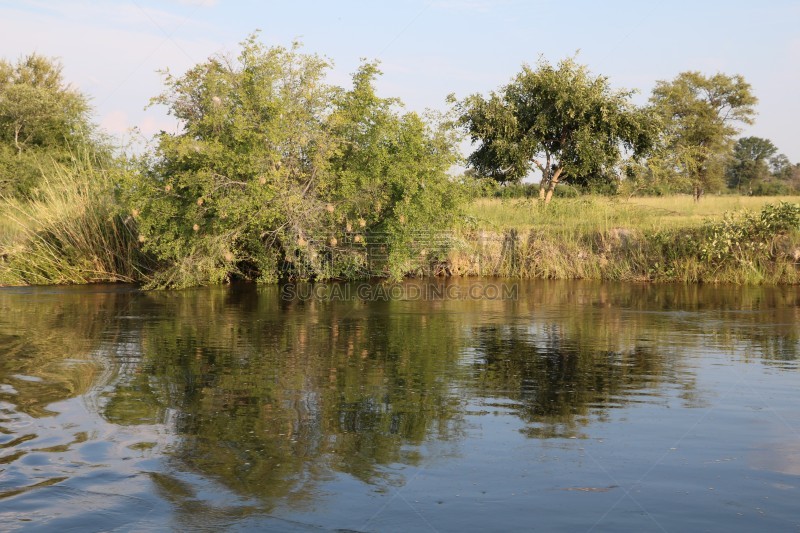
[
  {"x": 596, "y": 213},
  {"x": 49, "y": 347}
]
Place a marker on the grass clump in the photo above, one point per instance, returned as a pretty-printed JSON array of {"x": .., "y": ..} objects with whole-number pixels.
[{"x": 69, "y": 232}]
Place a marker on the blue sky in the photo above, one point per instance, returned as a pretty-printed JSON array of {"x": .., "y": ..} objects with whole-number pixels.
[{"x": 428, "y": 48}]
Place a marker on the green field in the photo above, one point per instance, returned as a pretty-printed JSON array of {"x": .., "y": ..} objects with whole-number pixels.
[{"x": 598, "y": 213}]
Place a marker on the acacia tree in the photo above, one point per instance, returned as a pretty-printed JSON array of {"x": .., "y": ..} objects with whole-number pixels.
[
  {"x": 41, "y": 118},
  {"x": 700, "y": 115},
  {"x": 562, "y": 120}
]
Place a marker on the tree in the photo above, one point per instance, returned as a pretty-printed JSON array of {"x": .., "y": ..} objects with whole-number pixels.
[
  {"x": 749, "y": 163},
  {"x": 784, "y": 177},
  {"x": 278, "y": 172},
  {"x": 562, "y": 120},
  {"x": 700, "y": 116},
  {"x": 41, "y": 118},
  {"x": 780, "y": 166}
]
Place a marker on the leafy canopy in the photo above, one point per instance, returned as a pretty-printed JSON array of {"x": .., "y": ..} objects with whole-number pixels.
[
  {"x": 561, "y": 119},
  {"x": 701, "y": 115},
  {"x": 749, "y": 162},
  {"x": 41, "y": 119}
]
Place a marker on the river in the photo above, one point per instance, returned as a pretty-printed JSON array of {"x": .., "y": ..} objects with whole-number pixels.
[{"x": 425, "y": 406}]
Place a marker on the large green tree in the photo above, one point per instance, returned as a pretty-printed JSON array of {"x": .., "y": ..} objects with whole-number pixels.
[
  {"x": 278, "y": 172},
  {"x": 701, "y": 115},
  {"x": 562, "y": 120},
  {"x": 42, "y": 119}
]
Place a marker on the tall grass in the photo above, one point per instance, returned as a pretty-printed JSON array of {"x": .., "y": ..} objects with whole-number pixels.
[
  {"x": 73, "y": 232},
  {"x": 8, "y": 229},
  {"x": 70, "y": 232}
]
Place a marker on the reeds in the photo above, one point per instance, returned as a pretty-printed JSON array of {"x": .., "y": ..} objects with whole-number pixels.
[{"x": 70, "y": 231}]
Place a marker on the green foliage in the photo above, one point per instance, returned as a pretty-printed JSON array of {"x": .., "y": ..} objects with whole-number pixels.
[
  {"x": 507, "y": 191},
  {"x": 560, "y": 119},
  {"x": 773, "y": 177},
  {"x": 42, "y": 120},
  {"x": 515, "y": 190},
  {"x": 699, "y": 116},
  {"x": 780, "y": 218},
  {"x": 781, "y": 167},
  {"x": 749, "y": 163},
  {"x": 744, "y": 237},
  {"x": 772, "y": 188},
  {"x": 277, "y": 172}
]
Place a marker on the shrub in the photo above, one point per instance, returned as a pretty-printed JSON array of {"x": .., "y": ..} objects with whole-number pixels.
[
  {"x": 745, "y": 236},
  {"x": 276, "y": 173},
  {"x": 771, "y": 188}
]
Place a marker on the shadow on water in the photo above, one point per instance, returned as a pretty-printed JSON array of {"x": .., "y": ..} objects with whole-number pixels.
[{"x": 282, "y": 402}]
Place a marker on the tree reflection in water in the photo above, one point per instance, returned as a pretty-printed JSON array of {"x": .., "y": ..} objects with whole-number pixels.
[{"x": 273, "y": 399}]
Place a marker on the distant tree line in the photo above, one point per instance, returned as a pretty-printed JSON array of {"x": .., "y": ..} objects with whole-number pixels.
[{"x": 570, "y": 126}]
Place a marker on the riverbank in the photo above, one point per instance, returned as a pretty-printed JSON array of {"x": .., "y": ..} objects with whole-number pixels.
[
  {"x": 619, "y": 254},
  {"x": 724, "y": 239},
  {"x": 671, "y": 239}
]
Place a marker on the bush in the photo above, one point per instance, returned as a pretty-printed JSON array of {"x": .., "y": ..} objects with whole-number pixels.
[
  {"x": 42, "y": 119},
  {"x": 771, "y": 188},
  {"x": 748, "y": 235},
  {"x": 278, "y": 174},
  {"x": 517, "y": 190}
]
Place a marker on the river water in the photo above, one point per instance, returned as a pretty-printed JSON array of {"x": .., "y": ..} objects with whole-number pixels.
[{"x": 427, "y": 406}]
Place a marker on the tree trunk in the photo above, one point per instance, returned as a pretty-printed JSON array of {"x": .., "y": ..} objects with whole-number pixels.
[
  {"x": 698, "y": 192},
  {"x": 17, "y": 129},
  {"x": 552, "y": 186},
  {"x": 544, "y": 183}
]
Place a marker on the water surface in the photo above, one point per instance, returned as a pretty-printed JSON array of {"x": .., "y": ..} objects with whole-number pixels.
[{"x": 563, "y": 406}]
